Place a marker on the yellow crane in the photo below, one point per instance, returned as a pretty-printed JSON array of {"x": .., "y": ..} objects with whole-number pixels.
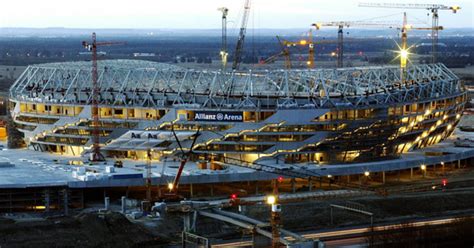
[
  {"x": 433, "y": 8},
  {"x": 286, "y": 44},
  {"x": 404, "y": 49},
  {"x": 340, "y": 33},
  {"x": 285, "y": 50}
]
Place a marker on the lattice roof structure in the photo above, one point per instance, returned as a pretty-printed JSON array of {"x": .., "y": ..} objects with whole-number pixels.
[{"x": 149, "y": 84}]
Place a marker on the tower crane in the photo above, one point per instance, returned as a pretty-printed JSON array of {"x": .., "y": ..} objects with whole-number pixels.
[
  {"x": 92, "y": 47},
  {"x": 223, "y": 51},
  {"x": 285, "y": 50},
  {"x": 433, "y": 8},
  {"x": 404, "y": 50},
  {"x": 285, "y": 45},
  {"x": 340, "y": 34},
  {"x": 240, "y": 42}
]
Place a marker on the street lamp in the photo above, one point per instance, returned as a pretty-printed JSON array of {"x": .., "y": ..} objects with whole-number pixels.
[
  {"x": 367, "y": 173},
  {"x": 170, "y": 186},
  {"x": 423, "y": 169},
  {"x": 275, "y": 219},
  {"x": 271, "y": 200}
]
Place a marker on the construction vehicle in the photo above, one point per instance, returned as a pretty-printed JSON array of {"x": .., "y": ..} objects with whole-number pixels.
[
  {"x": 433, "y": 8},
  {"x": 240, "y": 42},
  {"x": 184, "y": 159},
  {"x": 96, "y": 155}
]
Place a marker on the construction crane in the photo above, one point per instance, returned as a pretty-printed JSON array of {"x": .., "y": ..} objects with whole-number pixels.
[
  {"x": 173, "y": 187},
  {"x": 240, "y": 42},
  {"x": 340, "y": 34},
  {"x": 223, "y": 52},
  {"x": 433, "y": 8},
  {"x": 148, "y": 183},
  {"x": 404, "y": 49},
  {"x": 275, "y": 220},
  {"x": 92, "y": 47},
  {"x": 285, "y": 51},
  {"x": 285, "y": 45}
]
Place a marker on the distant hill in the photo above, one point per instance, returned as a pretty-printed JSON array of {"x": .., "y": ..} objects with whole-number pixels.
[{"x": 55, "y": 32}]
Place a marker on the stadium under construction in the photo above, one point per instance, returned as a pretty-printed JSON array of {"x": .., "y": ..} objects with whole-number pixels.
[
  {"x": 229, "y": 127},
  {"x": 325, "y": 116}
]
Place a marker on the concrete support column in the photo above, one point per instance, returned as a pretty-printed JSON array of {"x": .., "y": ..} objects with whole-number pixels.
[
  {"x": 47, "y": 200},
  {"x": 411, "y": 173},
  {"x": 212, "y": 190},
  {"x": 187, "y": 222},
  {"x": 256, "y": 187},
  {"x": 82, "y": 198},
  {"x": 348, "y": 178},
  {"x": 123, "y": 201},
  {"x": 293, "y": 185},
  {"x": 191, "y": 193},
  {"x": 383, "y": 177},
  {"x": 310, "y": 184},
  {"x": 66, "y": 202},
  {"x": 106, "y": 203},
  {"x": 459, "y": 164}
]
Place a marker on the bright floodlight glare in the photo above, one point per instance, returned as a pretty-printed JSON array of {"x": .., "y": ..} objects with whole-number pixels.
[
  {"x": 403, "y": 57},
  {"x": 404, "y": 53},
  {"x": 423, "y": 167},
  {"x": 366, "y": 173},
  {"x": 170, "y": 186},
  {"x": 271, "y": 199}
]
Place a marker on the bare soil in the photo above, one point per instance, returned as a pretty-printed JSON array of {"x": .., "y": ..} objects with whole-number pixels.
[{"x": 84, "y": 230}]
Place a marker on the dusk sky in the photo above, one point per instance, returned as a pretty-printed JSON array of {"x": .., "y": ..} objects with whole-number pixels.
[{"x": 203, "y": 14}]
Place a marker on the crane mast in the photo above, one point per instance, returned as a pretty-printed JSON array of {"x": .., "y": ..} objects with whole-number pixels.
[
  {"x": 241, "y": 40},
  {"x": 340, "y": 34},
  {"x": 310, "y": 61},
  {"x": 92, "y": 47},
  {"x": 223, "y": 51},
  {"x": 433, "y": 8}
]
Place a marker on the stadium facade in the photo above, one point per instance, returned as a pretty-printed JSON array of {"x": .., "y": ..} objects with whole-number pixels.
[{"x": 324, "y": 116}]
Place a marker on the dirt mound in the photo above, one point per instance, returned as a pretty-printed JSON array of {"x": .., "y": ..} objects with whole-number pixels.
[{"x": 85, "y": 230}]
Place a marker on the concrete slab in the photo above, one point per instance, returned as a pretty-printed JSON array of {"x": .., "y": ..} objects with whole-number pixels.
[{"x": 37, "y": 169}]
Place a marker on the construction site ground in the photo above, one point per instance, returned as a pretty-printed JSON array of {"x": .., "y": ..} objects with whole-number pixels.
[
  {"x": 82, "y": 230},
  {"x": 421, "y": 198},
  {"x": 88, "y": 228}
]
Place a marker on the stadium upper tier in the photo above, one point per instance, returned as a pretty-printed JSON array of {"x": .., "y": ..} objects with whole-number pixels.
[{"x": 150, "y": 84}]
